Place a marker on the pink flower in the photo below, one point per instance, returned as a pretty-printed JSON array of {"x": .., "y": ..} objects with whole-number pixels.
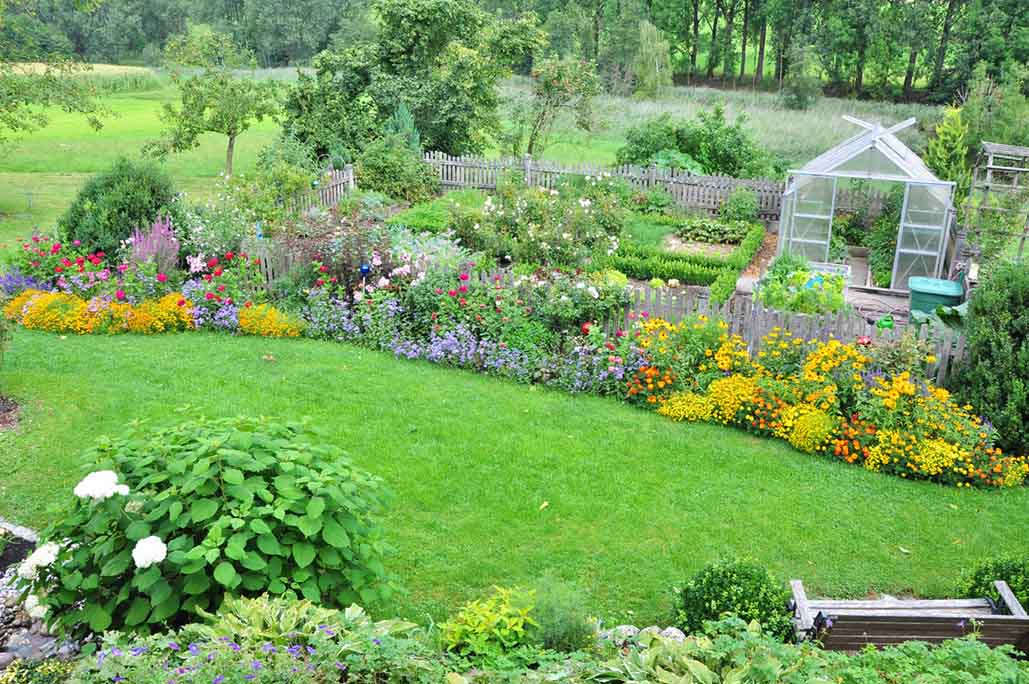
[
  {"x": 122, "y": 268},
  {"x": 644, "y": 314},
  {"x": 120, "y": 294},
  {"x": 452, "y": 293},
  {"x": 77, "y": 243},
  {"x": 162, "y": 278},
  {"x": 209, "y": 296},
  {"x": 463, "y": 276},
  {"x": 462, "y": 289},
  {"x": 55, "y": 248},
  {"x": 439, "y": 290},
  {"x": 181, "y": 302},
  {"x": 221, "y": 288}
]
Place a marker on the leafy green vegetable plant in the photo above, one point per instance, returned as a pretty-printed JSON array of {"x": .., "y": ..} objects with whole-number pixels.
[
  {"x": 498, "y": 623},
  {"x": 175, "y": 519}
]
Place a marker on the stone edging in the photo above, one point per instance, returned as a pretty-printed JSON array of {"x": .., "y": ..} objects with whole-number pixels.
[{"x": 19, "y": 531}]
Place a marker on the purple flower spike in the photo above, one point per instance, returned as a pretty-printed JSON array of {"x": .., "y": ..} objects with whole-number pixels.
[
  {"x": 340, "y": 666},
  {"x": 116, "y": 652},
  {"x": 234, "y": 646},
  {"x": 255, "y": 664},
  {"x": 268, "y": 648},
  {"x": 138, "y": 650}
]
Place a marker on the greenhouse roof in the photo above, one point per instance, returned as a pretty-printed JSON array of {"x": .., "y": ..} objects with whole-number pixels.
[{"x": 876, "y": 152}]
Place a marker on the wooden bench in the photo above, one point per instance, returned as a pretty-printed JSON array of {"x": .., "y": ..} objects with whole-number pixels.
[{"x": 852, "y": 625}]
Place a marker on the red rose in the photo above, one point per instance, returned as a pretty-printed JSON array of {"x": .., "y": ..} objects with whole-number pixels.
[
  {"x": 462, "y": 289},
  {"x": 218, "y": 272},
  {"x": 58, "y": 269},
  {"x": 463, "y": 276},
  {"x": 228, "y": 256},
  {"x": 208, "y": 277},
  {"x": 324, "y": 268},
  {"x": 162, "y": 278},
  {"x": 181, "y": 302},
  {"x": 452, "y": 293},
  {"x": 56, "y": 248},
  {"x": 80, "y": 260},
  {"x": 212, "y": 262},
  {"x": 209, "y": 296},
  {"x": 66, "y": 262},
  {"x": 319, "y": 282}
]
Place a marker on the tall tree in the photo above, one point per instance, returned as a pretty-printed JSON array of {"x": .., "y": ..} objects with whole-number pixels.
[
  {"x": 215, "y": 98},
  {"x": 27, "y": 92}
]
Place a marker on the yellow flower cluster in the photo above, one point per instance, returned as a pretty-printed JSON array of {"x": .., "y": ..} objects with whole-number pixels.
[
  {"x": 827, "y": 357},
  {"x": 892, "y": 390},
  {"x": 812, "y": 431},
  {"x": 688, "y": 406},
  {"x": 267, "y": 321},
  {"x": 732, "y": 354},
  {"x": 65, "y": 313},
  {"x": 730, "y": 394}
]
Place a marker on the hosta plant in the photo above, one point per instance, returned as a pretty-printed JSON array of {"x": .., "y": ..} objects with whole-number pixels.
[{"x": 175, "y": 519}]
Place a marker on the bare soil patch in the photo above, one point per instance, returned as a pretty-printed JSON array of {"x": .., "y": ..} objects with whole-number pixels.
[
  {"x": 9, "y": 411},
  {"x": 674, "y": 244},
  {"x": 764, "y": 256}
]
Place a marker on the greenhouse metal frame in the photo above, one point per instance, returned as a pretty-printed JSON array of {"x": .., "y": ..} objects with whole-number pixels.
[{"x": 877, "y": 155}]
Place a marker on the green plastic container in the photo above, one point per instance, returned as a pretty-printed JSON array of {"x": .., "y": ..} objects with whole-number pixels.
[{"x": 929, "y": 293}]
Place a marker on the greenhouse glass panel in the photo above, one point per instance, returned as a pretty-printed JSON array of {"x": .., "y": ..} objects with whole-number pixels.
[
  {"x": 786, "y": 221},
  {"x": 871, "y": 162},
  {"x": 911, "y": 266},
  {"x": 927, "y": 206},
  {"x": 815, "y": 196}
]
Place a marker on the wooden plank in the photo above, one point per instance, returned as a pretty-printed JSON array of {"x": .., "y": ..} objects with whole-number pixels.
[
  {"x": 899, "y": 604},
  {"x": 923, "y": 616},
  {"x": 1009, "y": 599},
  {"x": 805, "y": 620}
]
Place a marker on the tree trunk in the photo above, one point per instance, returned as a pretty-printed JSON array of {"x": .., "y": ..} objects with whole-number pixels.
[
  {"x": 229, "y": 152},
  {"x": 712, "y": 54},
  {"x": 859, "y": 71},
  {"x": 730, "y": 7},
  {"x": 941, "y": 51},
  {"x": 743, "y": 46},
  {"x": 909, "y": 76},
  {"x": 759, "y": 70},
  {"x": 696, "y": 38}
]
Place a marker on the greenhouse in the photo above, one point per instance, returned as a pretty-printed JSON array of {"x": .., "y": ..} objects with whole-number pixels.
[{"x": 874, "y": 158}]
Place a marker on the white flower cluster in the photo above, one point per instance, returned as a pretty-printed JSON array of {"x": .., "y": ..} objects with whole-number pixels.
[
  {"x": 149, "y": 551},
  {"x": 103, "y": 484},
  {"x": 42, "y": 557},
  {"x": 34, "y": 608}
]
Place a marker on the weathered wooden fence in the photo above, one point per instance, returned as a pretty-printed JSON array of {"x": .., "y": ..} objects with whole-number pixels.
[
  {"x": 751, "y": 321},
  {"x": 328, "y": 194},
  {"x": 703, "y": 193}
]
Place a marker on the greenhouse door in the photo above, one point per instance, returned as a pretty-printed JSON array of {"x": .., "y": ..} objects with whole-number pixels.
[
  {"x": 810, "y": 225},
  {"x": 923, "y": 230}
]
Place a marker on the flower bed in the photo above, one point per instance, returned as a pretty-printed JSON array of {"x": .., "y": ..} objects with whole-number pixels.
[{"x": 792, "y": 284}]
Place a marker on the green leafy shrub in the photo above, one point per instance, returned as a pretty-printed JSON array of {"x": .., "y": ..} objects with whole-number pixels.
[
  {"x": 995, "y": 376},
  {"x": 434, "y": 217},
  {"x": 652, "y": 201},
  {"x": 498, "y": 623},
  {"x": 112, "y": 204},
  {"x": 738, "y": 588},
  {"x": 978, "y": 581},
  {"x": 717, "y": 146},
  {"x": 740, "y": 205},
  {"x": 561, "y": 615},
  {"x": 176, "y": 518},
  {"x": 389, "y": 166},
  {"x": 724, "y": 286}
]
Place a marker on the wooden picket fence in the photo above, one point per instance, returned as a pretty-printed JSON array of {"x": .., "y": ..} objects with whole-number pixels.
[
  {"x": 752, "y": 321},
  {"x": 700, "y": 193},
  {"x": 327, "y": 195}
]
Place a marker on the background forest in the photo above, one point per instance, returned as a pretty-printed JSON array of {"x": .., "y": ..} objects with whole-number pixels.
[{"x": 883, "y": 49}]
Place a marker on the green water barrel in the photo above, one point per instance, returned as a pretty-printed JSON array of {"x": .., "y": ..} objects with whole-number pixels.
[{"x": 929, "y": 293}]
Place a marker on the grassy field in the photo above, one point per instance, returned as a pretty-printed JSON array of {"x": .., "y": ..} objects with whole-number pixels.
[
  {"x": 635, "y": 502},
  {"x": 40, "y": 174}
]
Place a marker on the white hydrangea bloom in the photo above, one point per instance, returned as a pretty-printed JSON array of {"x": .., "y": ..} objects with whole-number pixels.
[
  {"x": 149, "y": 551},
  {"x": 103, "y": 484},
  {"x": 34, "y": 608},
  {"x": 42, "y": 557}
]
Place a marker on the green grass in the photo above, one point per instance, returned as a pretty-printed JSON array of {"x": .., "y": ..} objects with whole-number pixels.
[
  {"x": 646, "y": 232},
  {"x": 636, "y": 502}
]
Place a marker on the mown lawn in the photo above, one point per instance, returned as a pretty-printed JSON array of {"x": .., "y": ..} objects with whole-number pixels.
[{"x": 635, "y": 502}]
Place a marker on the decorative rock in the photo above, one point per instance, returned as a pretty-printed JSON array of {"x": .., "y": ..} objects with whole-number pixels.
[
  {"x": 6, "y": 659},
  {"x": 30, "y": 646},
  {"x": 624, "y": 632},
  {"x": 68, "y": 650},
  {"x": 673, "y": 633},
  {"x": 653, "y": 629}
]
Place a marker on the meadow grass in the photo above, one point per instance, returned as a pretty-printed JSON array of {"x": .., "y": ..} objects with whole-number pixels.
[
  {"x": 52, "y": 163},
  {"x": 634, "y": 502}
]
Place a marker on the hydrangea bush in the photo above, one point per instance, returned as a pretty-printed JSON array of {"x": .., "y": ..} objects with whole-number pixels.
[{"x": 175, "y": 519}]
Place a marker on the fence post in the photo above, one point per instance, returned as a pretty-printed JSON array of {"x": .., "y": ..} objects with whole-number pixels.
[
  {"x": 527, "y": 169},
  {"x": 348, "y": 173},
  {"x": 652, "y": 175}
]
